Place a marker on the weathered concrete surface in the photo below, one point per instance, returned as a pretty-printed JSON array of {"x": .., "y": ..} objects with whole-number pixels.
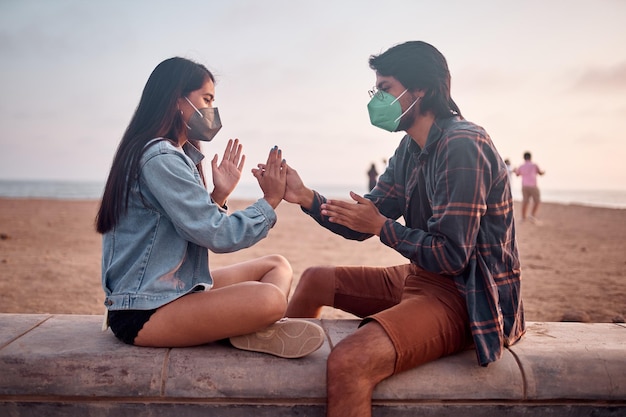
[
  {"x": 60, "y": 365},
  {"x": 576, "y": 361}
]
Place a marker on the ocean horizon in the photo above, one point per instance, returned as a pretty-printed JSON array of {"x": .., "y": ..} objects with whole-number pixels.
[{"x": 92, "y": 190}]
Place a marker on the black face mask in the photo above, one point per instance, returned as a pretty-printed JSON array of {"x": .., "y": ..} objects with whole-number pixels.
[{"x": 203, "y": 123}]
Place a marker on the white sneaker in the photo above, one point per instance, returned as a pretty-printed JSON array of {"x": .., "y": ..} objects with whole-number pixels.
[{"x": 287, "y": 338}]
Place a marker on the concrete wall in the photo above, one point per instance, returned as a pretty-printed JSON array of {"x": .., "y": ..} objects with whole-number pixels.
[{"x": 64, "y": 365}]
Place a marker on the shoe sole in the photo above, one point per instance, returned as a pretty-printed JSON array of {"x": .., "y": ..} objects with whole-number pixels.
[{"x": 285, "y": 339}]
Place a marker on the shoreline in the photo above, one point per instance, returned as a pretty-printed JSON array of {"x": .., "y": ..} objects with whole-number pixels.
[
  {"x": 573, "y": 263},
  {"x": 92, "y": 190}
]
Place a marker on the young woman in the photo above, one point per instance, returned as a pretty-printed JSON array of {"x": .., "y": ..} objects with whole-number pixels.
[{"x": 158, "y": 222}]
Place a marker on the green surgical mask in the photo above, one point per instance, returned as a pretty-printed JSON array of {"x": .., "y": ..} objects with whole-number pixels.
[{"x": 385, "y": 110}]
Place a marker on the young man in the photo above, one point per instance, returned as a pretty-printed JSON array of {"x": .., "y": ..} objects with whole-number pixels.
[
  {"x": 461, "y": 286},
  {"x": 530, "y": 190}
]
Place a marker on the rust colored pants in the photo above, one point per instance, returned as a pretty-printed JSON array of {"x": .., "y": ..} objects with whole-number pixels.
[{"x": 423, "y": 313}]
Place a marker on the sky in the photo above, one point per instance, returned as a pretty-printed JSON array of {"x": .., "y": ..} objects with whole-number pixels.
[{"x": 547, "y": 77}]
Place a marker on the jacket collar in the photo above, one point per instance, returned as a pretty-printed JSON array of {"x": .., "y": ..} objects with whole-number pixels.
[{"x": 193, "y": 153}]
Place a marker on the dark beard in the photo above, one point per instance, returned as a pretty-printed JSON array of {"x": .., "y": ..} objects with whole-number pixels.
[{"x": 408, "y": 119}]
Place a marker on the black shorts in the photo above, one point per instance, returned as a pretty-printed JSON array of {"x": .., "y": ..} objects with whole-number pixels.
[{"x": 127, "y": 323}]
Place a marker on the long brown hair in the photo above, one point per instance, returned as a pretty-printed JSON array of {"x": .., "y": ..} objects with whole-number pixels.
[{"x": 156, "y": 116}]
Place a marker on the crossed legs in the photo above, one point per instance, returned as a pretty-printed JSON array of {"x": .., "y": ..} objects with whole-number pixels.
[{"x": 245, "y": 297}]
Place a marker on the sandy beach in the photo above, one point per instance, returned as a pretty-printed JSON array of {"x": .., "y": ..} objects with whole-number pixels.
[{"x": 573, "y": 262}]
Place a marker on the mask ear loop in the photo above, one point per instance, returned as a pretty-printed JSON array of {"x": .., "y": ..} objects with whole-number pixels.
[
  {"x": 398, "y": 98},
  {"x": 410, "y": 107},
  {"x": 194, "y": 107}
]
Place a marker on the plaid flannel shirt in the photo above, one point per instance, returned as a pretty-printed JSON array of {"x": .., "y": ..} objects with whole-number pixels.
[{"x": 455, "y": 198}]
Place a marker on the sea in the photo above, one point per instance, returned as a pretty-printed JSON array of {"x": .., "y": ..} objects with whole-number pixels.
[{"x": 92, "y": 190}]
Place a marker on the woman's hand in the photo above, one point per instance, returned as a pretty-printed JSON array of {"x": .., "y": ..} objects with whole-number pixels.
[
  {"x": 272, "y": 177},
  {"x": 362, "y": 217},
  {"x": 226, "y": 175},
  {"x": 295, "y": 191}
]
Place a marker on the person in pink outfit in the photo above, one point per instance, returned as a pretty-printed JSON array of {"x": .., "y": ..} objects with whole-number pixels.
[{"x": 530, "y": 191}]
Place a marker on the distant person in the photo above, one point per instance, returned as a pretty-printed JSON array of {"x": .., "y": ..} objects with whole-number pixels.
[
  {"x": 530, "y": 190},
  {"x": 509, "y": 168},
  {"x": 158, "y": 222},
  {"x": 373, "y": 176},
  {"x": 460, "y": 287}
]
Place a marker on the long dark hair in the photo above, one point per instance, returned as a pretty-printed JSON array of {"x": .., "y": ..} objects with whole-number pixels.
[
  {"x": 419, "y": 66},
  {"x": 156, "y": 116}
]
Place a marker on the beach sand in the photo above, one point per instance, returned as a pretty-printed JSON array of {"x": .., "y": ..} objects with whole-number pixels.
[{"x": 573, "y": 263}]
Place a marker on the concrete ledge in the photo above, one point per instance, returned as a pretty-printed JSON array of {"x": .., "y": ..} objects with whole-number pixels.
[{"x": 60, "y": 365}]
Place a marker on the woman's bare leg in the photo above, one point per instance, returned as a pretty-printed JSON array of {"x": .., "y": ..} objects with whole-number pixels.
[
  {"x": 271, "y": 269},
  {"x": 246, "y": 297}
]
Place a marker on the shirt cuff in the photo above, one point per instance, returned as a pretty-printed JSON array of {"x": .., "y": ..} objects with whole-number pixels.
[
  {"x": 223, "y": 208},
  {"x": 388, "y": 234}
]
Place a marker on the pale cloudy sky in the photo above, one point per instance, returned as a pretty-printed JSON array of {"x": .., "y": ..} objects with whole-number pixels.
[{"x": 543, "y": 76}]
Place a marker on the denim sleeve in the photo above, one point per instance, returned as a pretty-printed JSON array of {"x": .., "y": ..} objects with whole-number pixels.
[{"x": 170, "y": 180}]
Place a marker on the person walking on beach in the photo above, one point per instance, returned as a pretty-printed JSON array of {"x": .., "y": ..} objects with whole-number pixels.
[
  {"x": 530, "y": 190},
  {"x": 372, "y": 174},
  {"x": 158, "y": 222},
  {"x": 461, "y": 285}
]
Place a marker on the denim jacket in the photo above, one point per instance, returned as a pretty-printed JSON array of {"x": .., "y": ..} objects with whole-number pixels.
[{"x": 158, "y": 250}]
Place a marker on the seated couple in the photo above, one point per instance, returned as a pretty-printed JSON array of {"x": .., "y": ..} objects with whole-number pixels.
[{"x": 460, "y": 286}]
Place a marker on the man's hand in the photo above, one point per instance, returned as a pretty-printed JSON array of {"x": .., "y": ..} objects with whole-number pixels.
[
  {"x": 226, "y": 175},
  {"x": 296, "y": 192},
  {"x": 362, "y": 217}
]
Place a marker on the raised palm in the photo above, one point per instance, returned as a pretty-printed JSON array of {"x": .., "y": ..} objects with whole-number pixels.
[{"x": 226, "y": 175}]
